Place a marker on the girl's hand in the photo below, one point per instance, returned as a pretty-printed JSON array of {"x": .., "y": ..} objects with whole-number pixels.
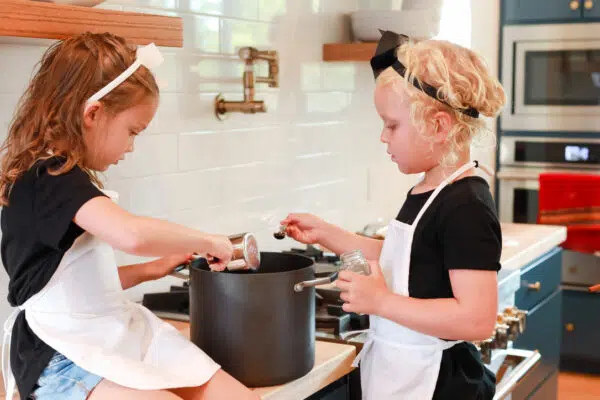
[
  {"x": 305, "y": 228},
  {"x": 164, "y": 266},
  {"x": 220, "y": 248},
  {"x": 363, "y": 294}
]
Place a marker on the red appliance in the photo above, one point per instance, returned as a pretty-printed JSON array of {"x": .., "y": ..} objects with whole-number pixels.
[{"x": 573, "y": 200}]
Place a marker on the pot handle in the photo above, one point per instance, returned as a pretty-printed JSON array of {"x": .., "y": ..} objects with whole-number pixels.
[
  {"x": 177, "y": 271},
  {"x": 298, "y": 287}
]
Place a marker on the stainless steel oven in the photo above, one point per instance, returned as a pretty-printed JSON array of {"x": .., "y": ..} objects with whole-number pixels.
[
  {"x": 522, "y": 159},
  {"x": 551, "y": 74}
]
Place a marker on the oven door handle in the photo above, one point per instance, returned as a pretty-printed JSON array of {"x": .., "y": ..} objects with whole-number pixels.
[{"x": 518, "y": 374}]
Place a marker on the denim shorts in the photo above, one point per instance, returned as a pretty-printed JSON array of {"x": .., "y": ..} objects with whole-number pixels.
[{"x": 64, "y": 380}]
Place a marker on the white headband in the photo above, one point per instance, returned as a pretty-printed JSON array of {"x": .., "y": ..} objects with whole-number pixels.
[{"x": 148, "y": 56}]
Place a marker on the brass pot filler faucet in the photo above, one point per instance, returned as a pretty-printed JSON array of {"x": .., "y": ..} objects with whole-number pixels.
[{"x": 249, "y": 105}]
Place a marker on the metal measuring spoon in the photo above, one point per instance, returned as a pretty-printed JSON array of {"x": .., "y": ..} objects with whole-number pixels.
[{"x": 281, "y": 234}]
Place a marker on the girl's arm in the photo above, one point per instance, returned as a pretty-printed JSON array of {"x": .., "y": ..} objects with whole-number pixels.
[
  {"x": 134, "y": 274},
  {"x": 146, "y": 236},
  {"x": 310, "y": 229},
  {"x": 470, "y": 315},
  {"x": 340, "y": 241}
]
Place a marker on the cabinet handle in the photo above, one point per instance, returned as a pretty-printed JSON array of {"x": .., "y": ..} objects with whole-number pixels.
[
  {"x": 535, "y": 287},
  {"x": 574, "y": 4},
  {"x": 588, "y": 4},
  {"x": 569, "y": 327}
]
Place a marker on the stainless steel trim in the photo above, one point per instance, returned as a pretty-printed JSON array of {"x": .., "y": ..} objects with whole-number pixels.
[
  {"x": 512, "y": 36},
  {"x": 506, "y": 195},
  {"x": 574, "y": 288},
  {"x": 298, "y": 287},
  {"x": 527, "y": 173},
  {"x": 580, "y": 268},
  {"x": 519, "y": 98},
  {"x": 507, "y": 151},
  {"x": 505, "y": 387}
]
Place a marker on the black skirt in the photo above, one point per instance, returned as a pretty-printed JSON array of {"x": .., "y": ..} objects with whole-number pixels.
[{"x": 464, "y": 376}]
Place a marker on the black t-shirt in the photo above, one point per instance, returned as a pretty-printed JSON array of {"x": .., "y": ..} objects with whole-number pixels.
[
  {"x": 459, "y": 230},
  {"x": 37, "y": 230}
]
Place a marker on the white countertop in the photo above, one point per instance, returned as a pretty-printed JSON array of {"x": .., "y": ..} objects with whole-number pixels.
[{"x": 523, "y": 243}]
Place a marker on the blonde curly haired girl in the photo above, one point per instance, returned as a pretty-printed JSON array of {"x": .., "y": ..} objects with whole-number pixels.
[{"x": 433, "y": 289}]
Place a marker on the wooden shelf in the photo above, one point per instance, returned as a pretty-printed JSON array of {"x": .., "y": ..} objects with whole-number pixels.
[
  {"x": 348, "y": 51},
  {"x": 33, "y": 19}
]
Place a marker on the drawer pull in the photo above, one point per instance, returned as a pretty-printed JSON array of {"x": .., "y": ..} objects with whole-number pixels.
[
  {"x": 588, "y": 4},
  {"x": 569, "y": 327},
  {"x": 535, "y": 287},
  {"x": 574, "y": 5}
]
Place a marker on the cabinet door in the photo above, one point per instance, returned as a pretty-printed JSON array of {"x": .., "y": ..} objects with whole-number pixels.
[
  {"x": 581, "y": 326},
  {"x": 532, "y": 11},
  {"x": 539, "y": 279},
  {"x": 591, "y": 8},
  {"x": 542, "y": 333}
]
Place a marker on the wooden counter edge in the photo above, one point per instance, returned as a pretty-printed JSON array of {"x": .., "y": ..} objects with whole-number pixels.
[{"x": 332, "y": 362}]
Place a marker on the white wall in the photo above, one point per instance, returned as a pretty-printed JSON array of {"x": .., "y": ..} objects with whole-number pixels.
[
  {"x": 485, "y": 39},
  {"x": 317, "y": 148}
]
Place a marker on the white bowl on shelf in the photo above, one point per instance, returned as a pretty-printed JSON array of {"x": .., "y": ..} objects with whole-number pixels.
[
  {"x": 418, "y": 24},
  {"x": 84, "y": 3}
]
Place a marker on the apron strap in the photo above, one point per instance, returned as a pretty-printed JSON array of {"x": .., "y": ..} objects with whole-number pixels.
[
  {"x": 365, "y": 349},
  {"x": 347, "y": 334},
  {"x": 7, "y": 374},
  {"x": 455, "y": 174}
]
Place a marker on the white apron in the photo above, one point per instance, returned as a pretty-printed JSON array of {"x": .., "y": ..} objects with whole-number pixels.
[
  {"x": 84, "y": 314},
  {"x": 397, "y": 362}
]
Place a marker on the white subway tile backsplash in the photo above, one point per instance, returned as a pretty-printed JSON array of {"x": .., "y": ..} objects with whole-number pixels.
[
  {"x": 18, "y": 66},
  {"x": 8, "y": 104},
  {"x": 152, "y": 155},
  {"x": 201, "y": 33},
  {"x": 237, "y": 33},
  {"x": 169, "y": 193},
  {"x": 271, "y": 10}
]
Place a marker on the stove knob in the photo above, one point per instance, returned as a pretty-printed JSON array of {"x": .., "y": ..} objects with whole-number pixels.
[
  {"x": 520, "y": 314},
  {"x": 500, "y": 318},
  {"x": 485, "y": 348},
  {"x": 501, "y": 337},
  {"x": 514, "y": 324}
]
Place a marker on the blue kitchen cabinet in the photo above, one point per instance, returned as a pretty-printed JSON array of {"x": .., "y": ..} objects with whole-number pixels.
[
  {"x": 541, "y": 296},
  {"x": 580, "y": 350},
  {"x": 543, "y": 334},
  {"x": 591, "y": 9},
  {"x": 541, "y": 11}
]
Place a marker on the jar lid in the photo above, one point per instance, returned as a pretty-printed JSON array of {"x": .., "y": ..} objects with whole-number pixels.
[{"x": 251, "y": 253}]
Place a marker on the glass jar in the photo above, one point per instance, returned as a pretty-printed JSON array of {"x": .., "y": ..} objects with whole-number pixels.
[{"x": 355, "y": 261}]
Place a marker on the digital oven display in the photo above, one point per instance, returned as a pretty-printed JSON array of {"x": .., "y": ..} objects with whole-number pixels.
[
  {"x": 558, "y": 152},
  {"x": 577, "y": 153}
]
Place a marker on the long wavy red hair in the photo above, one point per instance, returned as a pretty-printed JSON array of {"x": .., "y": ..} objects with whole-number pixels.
[{"x": 49, "y": 117}]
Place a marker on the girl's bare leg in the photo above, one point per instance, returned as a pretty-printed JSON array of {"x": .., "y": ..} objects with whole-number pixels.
[
  {"x": 108, "y": 390},
  {"x": 220, "y": 386}
]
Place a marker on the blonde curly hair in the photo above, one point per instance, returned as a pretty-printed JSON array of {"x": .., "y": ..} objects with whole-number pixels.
[{"x": 462, "y": 79}]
